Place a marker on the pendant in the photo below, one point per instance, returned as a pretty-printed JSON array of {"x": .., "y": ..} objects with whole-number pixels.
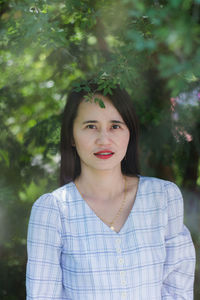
[{"x": 112, "y": 227}]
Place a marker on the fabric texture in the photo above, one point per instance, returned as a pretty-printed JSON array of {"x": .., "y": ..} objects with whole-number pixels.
[{"x": 73, "y": 255}]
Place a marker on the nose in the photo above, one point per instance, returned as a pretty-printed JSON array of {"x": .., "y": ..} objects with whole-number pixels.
[{"x": 103, "y": 137}]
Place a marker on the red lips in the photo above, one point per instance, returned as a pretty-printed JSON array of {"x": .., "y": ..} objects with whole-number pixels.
[{"x": 104, "y": 154}]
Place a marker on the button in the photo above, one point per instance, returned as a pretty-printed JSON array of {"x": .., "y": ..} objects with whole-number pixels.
[
  {"x": 119, "y": 250},
  {"x": 124, "y": 295},
  {"x": 122, "y": 273},
  {"x": 123, "y": 282},
  {"x": 120, "y": 261},
  {"x": 118, "y": 241}
]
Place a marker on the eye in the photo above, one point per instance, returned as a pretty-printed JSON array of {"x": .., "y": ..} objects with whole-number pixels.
[
  {"x": 115, "y": 126},
  {"x": 91, "y": 126}
]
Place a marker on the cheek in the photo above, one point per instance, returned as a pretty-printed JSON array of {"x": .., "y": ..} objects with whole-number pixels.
[
  {"x": 125, "y": 139},
  {"x": 81, "y": 140},
  {"x": 76, "y": 136}
]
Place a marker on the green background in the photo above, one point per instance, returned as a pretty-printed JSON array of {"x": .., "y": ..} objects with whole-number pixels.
[{"x": 150, "y": 47}]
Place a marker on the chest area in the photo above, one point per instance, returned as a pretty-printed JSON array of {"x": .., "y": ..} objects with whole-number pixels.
[
  {"x": 113, "y": 213},
  {"x": 89, "y": 244}
]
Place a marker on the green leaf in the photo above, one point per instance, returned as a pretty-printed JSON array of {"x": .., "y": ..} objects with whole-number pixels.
[
  {"x": 105, "y": 92},
  {"x": 86, "y": 88},
  {"x": 96, "y": 100},
  {"x": 87, "y": 98},
  {"x": 101, "y": 104}
]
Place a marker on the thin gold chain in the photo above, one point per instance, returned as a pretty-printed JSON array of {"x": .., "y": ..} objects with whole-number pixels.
[{"x": 119, "y": 211}]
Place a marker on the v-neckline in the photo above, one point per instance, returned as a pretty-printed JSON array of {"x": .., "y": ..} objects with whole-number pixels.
[{"x": 101, "y": 221}]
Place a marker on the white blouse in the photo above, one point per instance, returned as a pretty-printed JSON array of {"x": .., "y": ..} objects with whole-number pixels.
[{"x": 73, "y": 255}]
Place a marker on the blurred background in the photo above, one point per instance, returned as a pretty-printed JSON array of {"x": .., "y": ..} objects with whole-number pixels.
[{"x": 152, "y": 48}]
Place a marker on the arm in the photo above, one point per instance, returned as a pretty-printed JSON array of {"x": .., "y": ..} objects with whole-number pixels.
[
  {"x": 44, "y": 273},
  {"x": 178, "y": 273}
]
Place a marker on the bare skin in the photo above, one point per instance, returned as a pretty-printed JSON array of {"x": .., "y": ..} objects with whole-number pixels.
[{"x": 107, "y": 208}]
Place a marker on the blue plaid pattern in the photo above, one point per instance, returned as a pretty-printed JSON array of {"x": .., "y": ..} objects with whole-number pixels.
[{"x": 73, "y": 255}]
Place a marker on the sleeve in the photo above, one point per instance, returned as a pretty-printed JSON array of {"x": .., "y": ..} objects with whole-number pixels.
[
  {"x": 44, "y": 245},
  {"x": 179, "y": 267}
]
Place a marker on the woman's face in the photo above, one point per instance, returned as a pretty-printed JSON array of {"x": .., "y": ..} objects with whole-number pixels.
[{"x": 100, "y": 136}]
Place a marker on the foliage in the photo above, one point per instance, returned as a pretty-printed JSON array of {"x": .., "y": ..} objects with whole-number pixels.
[{"x": 150, "y": 47}]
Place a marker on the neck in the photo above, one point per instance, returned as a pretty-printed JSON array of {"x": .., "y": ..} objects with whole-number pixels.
[{"x": 111, "y": 182}]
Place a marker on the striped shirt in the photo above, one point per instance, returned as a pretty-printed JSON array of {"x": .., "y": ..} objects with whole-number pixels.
[{"x": 73, "y": 255}]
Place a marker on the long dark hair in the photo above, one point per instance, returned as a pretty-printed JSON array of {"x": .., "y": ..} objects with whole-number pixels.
[{"x": 70, "y": 162}]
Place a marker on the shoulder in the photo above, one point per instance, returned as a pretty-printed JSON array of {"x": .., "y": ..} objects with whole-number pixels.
[
  {"x": 162, "y": 193},
  {"x": 49, "y": 207},
  {"x": 166, "y": 190},
  {"x": 151, "y": 184},
  {"x": 57, "y": 197},
  {"x": 157, "y": 184}
]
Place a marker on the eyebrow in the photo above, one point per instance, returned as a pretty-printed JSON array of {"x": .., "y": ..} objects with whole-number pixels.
[
  {"x": 112, "y": 121},
  {"x": 89, "y": 121},
  {"x": 117, "y": 121}
]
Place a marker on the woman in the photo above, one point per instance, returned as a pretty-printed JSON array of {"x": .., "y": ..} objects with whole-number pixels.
[{"x": 107, "y": 232}]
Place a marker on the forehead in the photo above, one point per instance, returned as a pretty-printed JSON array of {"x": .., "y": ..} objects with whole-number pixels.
[{"x": 94, "y": 111}]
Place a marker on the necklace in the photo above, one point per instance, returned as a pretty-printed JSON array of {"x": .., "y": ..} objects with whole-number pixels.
[{"x": 111, "y": 224}]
